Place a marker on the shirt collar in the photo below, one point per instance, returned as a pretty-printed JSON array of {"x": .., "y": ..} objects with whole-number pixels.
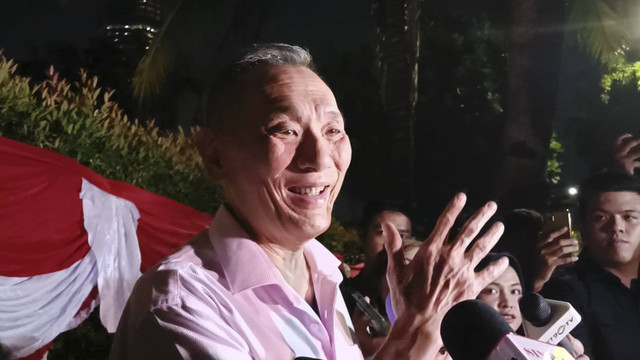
[
  {"x": 246, "y": 265},
  {"x": 591, "y": 270}
]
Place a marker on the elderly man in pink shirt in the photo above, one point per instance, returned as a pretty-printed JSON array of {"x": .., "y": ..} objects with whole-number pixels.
[{"x": 256, "y": 284}]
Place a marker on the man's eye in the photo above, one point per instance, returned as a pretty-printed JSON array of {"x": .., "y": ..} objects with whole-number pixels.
[
  {"x": 516, "y": 292},
  {"x": 287, "y": 132},
  {"x": 282, "y": 132}
]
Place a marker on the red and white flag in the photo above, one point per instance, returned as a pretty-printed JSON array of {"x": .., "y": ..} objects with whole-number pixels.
[{"x": 69, "y": 239}]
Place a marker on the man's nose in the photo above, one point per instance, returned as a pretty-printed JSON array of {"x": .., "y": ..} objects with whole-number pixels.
[
  {"x": 313, "y": 152},
  {"x": 616, "y": 224}
]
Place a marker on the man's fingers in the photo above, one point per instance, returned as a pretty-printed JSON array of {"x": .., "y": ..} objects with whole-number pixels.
[
  {"x": 561, "y": 247},
  {"x": 552, "y": 236},
  {"x": 485, "y": 243},
  {"x": 393, "y": 245},
  {"x": 447, "y": 219},
  {"x": 566, "y": 260},
  {"x": 491, "y": 272},
  {"x": 472, "y": 227},
  {"x": 628, "y": 145},
  {"x": 623, "y": 138}
]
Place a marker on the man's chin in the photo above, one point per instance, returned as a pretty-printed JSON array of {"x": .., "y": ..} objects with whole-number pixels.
[{"x": 310, "y": 227}]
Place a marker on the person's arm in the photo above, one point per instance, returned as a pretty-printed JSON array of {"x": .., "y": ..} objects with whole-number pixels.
[
  {"x": 554, "y": 252},
  {"x": 440, "y": 275}
]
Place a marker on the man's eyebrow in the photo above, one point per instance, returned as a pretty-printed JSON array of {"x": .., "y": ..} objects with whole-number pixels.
[{"x": 335, "y": 114}]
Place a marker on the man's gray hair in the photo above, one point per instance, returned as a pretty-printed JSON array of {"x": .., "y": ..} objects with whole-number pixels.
[
  {"x": 223, "y": 90},
  {"x": 276, "y": 54}
]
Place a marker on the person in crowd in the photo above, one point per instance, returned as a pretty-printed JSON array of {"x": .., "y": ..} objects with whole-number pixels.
[
  {"x": 255, "y": 284},
  {"x": 603, "y": 285},
  {"x": 538, "y": 254},
  {"x": 371, "y": 278},
  {"x": 374, "y": 215},
  {"x": 371, "y": 282},
  {"x": 505, "y": 291}
]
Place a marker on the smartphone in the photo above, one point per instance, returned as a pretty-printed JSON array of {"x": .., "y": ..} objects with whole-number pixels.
[
  {"x": 554, "y": 221},
  {"x": 378, "y": 325}
]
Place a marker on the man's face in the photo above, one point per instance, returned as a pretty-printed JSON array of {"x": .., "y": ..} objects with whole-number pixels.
[
  {"x": 374, "y": 241},
  {"x": 611, "y": 230},
  {"x": 284, "y": 154}
]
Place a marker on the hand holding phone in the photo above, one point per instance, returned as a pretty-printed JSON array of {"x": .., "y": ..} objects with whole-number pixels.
[{"x": 378, "y": 325}]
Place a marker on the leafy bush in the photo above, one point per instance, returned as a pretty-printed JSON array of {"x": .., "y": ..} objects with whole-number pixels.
[
  {"x": 619, "y": 71},
  {"x": 80, "y": 121}
]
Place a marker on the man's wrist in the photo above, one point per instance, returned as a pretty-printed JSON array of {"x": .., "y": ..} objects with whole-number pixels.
[{"x": 412, "y": 336}]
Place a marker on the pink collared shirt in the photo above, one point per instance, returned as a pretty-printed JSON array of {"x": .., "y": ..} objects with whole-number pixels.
[{"x": 220, "y": 297}]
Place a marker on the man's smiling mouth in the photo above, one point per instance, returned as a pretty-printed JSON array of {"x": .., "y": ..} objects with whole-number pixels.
[{"x": 309, "y": 191}]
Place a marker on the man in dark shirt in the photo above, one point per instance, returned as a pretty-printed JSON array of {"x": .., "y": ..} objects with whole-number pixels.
[{"x": 603, "y": 286}]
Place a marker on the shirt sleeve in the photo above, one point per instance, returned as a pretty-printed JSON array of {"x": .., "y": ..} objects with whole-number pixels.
[
  {"x": 569, "y": 290},
  {"x": 177, "y": 327}
]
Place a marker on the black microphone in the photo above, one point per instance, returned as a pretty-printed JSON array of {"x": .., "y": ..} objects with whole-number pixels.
[
  {"x": 473, "y": 330},
  {"x": 548, "y": 322}
]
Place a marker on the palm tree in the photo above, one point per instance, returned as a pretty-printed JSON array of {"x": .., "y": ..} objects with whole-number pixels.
[
  {"x": 190, "y": 44},
  {"x": 536, "y": 41}
]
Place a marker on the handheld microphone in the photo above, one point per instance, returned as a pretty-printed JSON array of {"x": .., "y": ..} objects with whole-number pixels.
[
  {"x": 473, "y": 330},
  {"x": 548, "y": 320}
]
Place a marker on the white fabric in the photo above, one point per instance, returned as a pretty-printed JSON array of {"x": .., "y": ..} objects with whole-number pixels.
[
  {"x": 34, "y": 310},
  {"x": 111, "y": 223}
]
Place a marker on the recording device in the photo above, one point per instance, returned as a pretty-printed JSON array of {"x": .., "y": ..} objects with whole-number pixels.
[
  {"x": 378, "y": 325},
  {"x": 548, "y": 320},
  {"x": 556, "y": 220},
  {"x": 473, "y": 330}
]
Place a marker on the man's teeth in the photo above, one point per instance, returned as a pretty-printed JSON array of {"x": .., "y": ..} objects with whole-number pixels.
[{"x": 313, "y": 191}]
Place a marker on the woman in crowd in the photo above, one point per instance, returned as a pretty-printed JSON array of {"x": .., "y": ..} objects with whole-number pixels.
[{"x": 505, "y": 291}]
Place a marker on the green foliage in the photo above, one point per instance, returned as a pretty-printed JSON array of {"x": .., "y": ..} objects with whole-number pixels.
[
  {"x": 80, "y": 121},
  {"x": 619, "y": 71},
  {"x": 553, "y": 164},
  {"x": 344, "y": 242}
]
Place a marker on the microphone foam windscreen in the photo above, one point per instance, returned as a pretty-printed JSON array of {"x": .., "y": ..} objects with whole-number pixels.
[
  {"x": 535, "y": 309},
  {"x": 471, "y": 329}
]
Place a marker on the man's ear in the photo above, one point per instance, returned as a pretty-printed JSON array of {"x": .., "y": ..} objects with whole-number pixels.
[{"x": 208, "y": 146}]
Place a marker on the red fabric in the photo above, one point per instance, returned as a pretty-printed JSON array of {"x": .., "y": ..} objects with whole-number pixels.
[
  {"x": 355, "y": 269},
  {"x": 39, "y": 354},
  {"x": 41, "y": 219}
]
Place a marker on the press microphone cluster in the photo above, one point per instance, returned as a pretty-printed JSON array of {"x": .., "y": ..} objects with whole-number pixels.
[
  {"x": 548, "y": 320},
  {"x": 473, "y": 330}
]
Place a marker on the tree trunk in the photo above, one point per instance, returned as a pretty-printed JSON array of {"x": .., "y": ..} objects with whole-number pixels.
[
  {"x": 535, "y": 50},
  {"x": 398, "y": 53}
]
